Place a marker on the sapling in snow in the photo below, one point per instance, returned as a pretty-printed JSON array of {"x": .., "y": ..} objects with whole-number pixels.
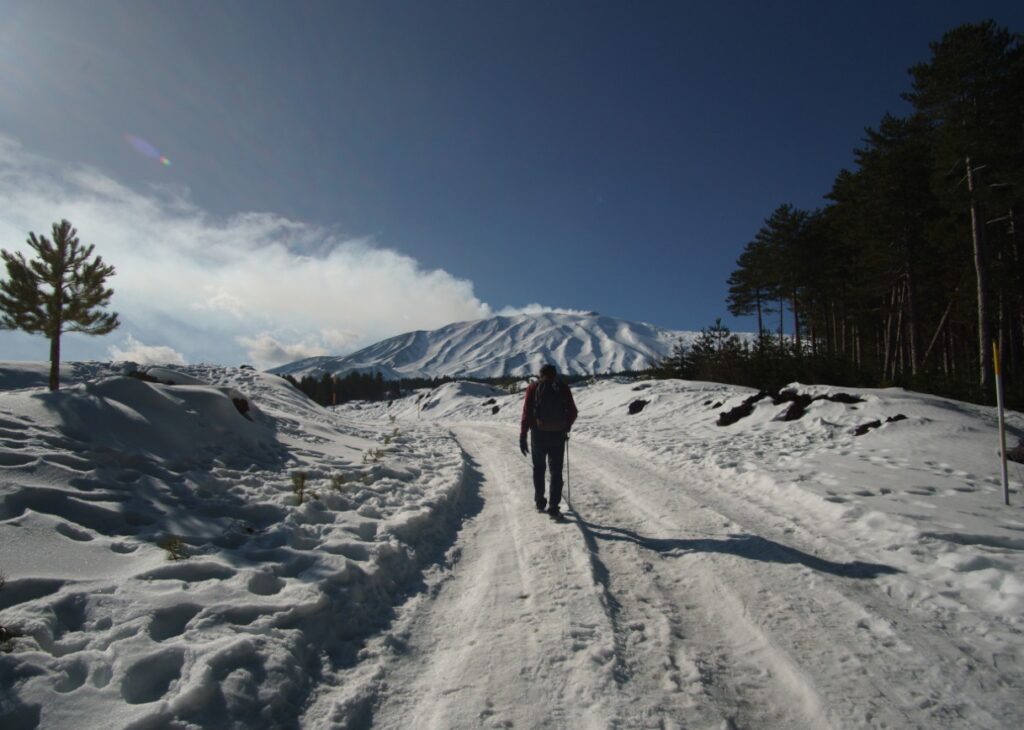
[
  {"x": 174, "y": 546},
  {"x": 62, "y": 289},
  {"x": 299, "y": 484}
]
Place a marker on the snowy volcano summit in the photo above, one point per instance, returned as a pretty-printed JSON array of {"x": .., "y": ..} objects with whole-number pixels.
[{"x": 576, "y": 342}]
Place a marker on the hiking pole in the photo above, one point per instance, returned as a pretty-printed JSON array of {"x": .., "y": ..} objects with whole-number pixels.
[{"x": 568, "y": 475}]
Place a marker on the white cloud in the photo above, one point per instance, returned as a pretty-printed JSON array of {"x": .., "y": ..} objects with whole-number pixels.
[
  {"x": 207, "y": 288},
  {"x": 137, "y": 352},
  {"x": 266, "y": 350},
  {"x": 535, "y": 308},
  {"x": 221, "y": 301}
]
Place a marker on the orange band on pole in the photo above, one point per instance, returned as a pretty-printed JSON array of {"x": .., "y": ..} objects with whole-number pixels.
[{"x": 995, "y": 356}]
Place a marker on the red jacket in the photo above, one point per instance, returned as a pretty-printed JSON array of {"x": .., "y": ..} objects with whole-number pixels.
[{"x": 530, "y": 420}]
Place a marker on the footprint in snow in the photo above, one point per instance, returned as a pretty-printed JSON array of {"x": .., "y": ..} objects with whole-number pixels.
[{"x": 148, "y": 679}]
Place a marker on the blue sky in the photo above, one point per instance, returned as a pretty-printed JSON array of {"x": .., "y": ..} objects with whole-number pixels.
[{"x": 342, "y": 172}]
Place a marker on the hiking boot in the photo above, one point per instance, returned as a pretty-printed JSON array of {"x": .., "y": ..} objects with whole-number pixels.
[
  {"x": 541, "y": 505},
  {"x": 554, "y": 512}
]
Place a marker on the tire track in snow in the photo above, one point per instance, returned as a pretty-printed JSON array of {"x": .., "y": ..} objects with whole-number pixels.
[
  {"x": 890, "y": 613},
  {"x": 515, "y": 632},
  {"x": 817, "y": 628},
  {"x": 661, "y": 679},
  {"x": 692, "y": 657}
]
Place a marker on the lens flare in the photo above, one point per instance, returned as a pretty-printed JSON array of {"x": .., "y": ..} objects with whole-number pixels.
[{"x": 146, "y": 149}]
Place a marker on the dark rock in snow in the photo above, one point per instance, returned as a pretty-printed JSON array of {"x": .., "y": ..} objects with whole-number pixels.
[
  {"x": 1016, "y": 453},
  {"x": 786, "y": 396},
  {"x": 242, "y": 405},
  {"x": 490, "y": 402},
  {"x": 798, "y": 404},
  {"x": 801, "y": 401},
  {"x": 495, "y": 409},
  {"x": 865, "y": 427},
  {"x": 743, "y": 410},
  {"x": 147, "y": 378},
  {"x": 637, "y": 406}
]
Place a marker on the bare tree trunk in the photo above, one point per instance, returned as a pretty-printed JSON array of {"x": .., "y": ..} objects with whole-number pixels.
[
  {"x": 1001, "y": 320},
  {"x": 945, "y": 353},
  {"x": 782, "y": 326},
  {"x": 981, "y": 271},
  {"x": 842, "y": 336},
  {"x": 912, "y": 327},
  {"x": 887, "y": 341},
  {"x": 1015, "y": 320},
  {"x": 938, "y": 330},
  {"x": 55, "y": 361},
  {"x": 833, "y": 340},
  {"x": 897, "y": 344},
  {"x": 58, "y": 328},
  {"x": 796, "y": 324}
]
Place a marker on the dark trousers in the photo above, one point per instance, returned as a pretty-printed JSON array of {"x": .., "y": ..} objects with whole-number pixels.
[{"x": 548, "y": 449}]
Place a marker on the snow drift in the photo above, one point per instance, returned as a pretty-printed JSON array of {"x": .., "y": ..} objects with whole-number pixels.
[{"x": 103, "y": 482}]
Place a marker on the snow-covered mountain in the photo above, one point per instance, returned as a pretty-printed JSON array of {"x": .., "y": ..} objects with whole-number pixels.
[{"x": 577, "y": 343}]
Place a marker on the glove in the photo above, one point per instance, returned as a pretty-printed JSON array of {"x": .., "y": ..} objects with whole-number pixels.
[
  {"x": 566, "y": 435},
  {"x": 522, "y": 445}
]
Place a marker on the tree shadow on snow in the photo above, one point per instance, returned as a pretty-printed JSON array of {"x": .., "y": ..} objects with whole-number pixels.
[{"x": 751, "y": 547}]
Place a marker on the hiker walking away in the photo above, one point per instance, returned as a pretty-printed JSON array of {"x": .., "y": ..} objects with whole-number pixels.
[{"x": 548, "y": 414}]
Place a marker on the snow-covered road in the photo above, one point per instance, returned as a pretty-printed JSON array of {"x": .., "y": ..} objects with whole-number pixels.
[{"x": 655, "y": 605}]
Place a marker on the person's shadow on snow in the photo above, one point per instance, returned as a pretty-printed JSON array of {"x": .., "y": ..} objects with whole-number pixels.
[{"x": 751, "y": 547}]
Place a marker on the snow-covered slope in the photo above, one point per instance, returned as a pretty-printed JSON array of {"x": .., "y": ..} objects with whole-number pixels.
[
  {"x": 577, "y": 343},
  {"x": 770, "y": 573},
  {"x": 100, "y": 628}
]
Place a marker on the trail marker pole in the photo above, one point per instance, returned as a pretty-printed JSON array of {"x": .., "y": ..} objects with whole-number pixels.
[{"x": 1002, "y": 422}]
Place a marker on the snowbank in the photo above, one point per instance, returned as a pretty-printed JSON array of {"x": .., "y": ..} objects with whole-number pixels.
[
  {"x": 921, "y": 492},
  {"x": 105, "y": 481}
]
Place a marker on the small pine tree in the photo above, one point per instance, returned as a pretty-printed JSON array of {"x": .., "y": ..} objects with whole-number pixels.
[{"x": 61, "y": 290}]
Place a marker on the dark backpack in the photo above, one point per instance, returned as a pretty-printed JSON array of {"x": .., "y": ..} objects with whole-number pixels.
[{"x": 550, "y": 406}]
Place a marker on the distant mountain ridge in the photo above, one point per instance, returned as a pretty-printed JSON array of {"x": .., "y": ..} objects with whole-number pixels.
[{"x": 577, "y": 343}]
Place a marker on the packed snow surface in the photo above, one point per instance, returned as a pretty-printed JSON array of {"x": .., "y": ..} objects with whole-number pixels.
[
  {"x": 767, "y": 574},
  {"x": 577, "y": 343}
]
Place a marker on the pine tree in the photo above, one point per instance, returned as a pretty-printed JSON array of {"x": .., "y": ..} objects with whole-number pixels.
[
  {"x": 61, "y": 290},
  {"x": 895, "y": 167},
  {"x": 676, "y": 365},
  {"x": 784, "y": 245},
  {"x": 970, "y": 91},
  {"x": 750, "y": 287}
]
